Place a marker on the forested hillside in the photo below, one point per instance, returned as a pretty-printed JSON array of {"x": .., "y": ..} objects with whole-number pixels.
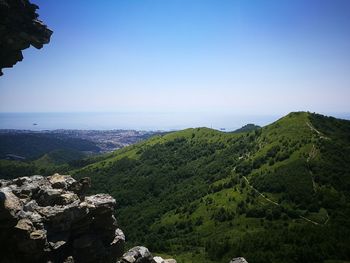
[
  {"x": 274, "y": 194},
  {"x": 39, "y": 153},
  {"x": 24, "y": 152},
  {"x": 34, "y": 145}
]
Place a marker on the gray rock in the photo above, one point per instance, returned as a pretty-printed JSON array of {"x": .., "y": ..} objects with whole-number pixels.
[
  {"x": 48, "y": 196},
  {"x": 158, "y": 260},
  {"x": 100, "y": 203},
  {"x": 238, "y": 260},
  {"x": 42, "y": 219},
  {"x": 137, "y": 254},
  {"x": 69, "y": 259},
  {"x": 30, "y": 206},
  {"x": 10, "y": 206},
  {"x": 61, "y": 181},
  {"x": 161, "y": 260}
]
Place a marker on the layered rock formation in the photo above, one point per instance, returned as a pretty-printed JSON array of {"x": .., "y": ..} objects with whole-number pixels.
[
  {"x": 48, "y": 219},
  {"x": 19, "y": 28}
]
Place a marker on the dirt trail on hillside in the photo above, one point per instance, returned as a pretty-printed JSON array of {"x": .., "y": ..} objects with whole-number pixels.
[
  {"x": 277, "y": 204},
  {"x": 261, "y": 194},
  {"x": 312, "y": 155},
  {"x": 320, "y": 134}
]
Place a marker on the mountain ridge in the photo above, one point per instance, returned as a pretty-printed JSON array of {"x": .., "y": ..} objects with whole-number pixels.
[{"x": 186, "y": 185}]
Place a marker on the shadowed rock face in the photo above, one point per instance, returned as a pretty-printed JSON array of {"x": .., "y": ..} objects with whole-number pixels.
[
  {"x": 19, "y": 28},
  {"x": 48, "y": 219}
]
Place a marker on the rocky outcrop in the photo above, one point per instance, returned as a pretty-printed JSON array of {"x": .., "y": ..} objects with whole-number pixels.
[
  {"x": 19, "y": 28},
  {"x": 49, "y": 219}
]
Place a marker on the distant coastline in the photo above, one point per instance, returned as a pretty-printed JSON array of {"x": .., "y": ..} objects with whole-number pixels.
[{"x": 148, "y": 121}]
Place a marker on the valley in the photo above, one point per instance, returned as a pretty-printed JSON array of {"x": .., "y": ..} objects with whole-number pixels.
[{"x": 47, "y": 151}]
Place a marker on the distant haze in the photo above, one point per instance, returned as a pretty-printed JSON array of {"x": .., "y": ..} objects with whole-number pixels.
[
  {"x": 132, "y": 120},
  {"x": 226, "y": 57}
]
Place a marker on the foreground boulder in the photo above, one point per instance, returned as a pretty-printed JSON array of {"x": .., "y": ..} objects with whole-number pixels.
[
  {"x": 141, "y": 254},
  {"x": 48, "y": 219}
]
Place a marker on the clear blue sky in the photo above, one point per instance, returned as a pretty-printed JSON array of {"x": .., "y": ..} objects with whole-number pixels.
[{"x": 236, "y": 56}]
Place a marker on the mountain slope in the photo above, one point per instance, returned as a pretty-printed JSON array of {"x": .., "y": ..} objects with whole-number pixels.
[
  {"x": 34, "y": 145},
  {"x": 275, "y": 194}
]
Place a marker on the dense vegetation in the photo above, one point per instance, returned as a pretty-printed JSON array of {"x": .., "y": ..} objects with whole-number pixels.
[
  {"x": 41, "y": 153},
  {"x": 61, "y": 161},
  {"x": 34, "y": 145},
  {"x": 247, "y": 128},
  {"x": 23, "y": 153},
  {"x": 275, "y": 194}
]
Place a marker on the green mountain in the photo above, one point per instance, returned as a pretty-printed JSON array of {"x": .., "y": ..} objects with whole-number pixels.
[
  {"x": 247, "y": 128},
  {"x": 275, "y": 194}
]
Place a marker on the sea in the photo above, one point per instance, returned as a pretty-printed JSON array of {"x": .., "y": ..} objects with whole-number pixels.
[{"x": 155, "y": 121}]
